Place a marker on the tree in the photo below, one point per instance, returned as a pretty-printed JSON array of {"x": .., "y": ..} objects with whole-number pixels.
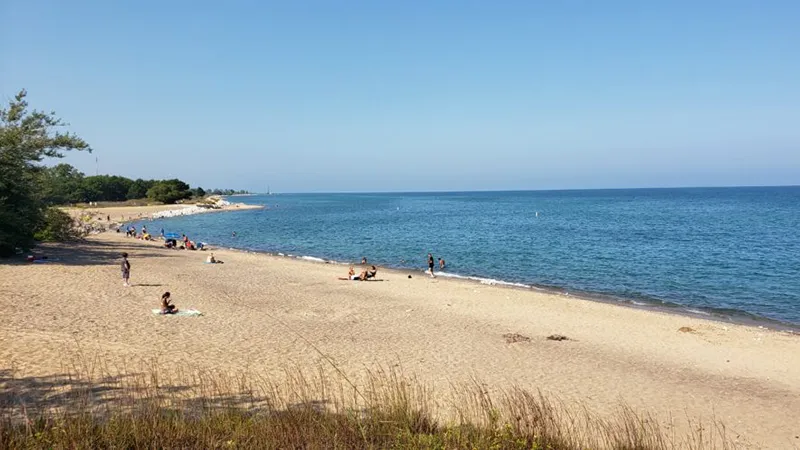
[
  {"x": 106, "y": 188},
  {"x": 61, "y": 184},
  {"x": 26, "y": 137},
  {"x": 199, "y": 192},
  {"x": 169, "y": 191},
  {"x": 139, "y": 188},
  {"x": 57, "y": 226}
]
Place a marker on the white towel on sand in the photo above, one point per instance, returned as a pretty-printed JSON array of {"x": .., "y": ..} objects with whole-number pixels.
[{"x": 182, "y": 312}]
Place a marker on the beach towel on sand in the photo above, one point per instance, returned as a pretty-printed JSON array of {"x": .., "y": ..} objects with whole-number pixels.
[{"x": 186, "y": 313}]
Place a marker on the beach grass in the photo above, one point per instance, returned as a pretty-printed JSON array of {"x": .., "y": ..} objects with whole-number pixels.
[{"x": 151, "y": 407}]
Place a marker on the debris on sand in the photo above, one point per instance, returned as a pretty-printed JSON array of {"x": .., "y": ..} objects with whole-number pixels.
[
  {"x": 686, "y": 330},
  {"x": 515, "y": 337},
  {"x": 557, "y": 337}
]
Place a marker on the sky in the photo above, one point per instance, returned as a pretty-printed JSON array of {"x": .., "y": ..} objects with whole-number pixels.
[{"x": 322, "y": 96}]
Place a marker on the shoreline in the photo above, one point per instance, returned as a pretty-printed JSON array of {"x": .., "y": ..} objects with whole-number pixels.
[
  {"x": 133, "y": 214},
  {"x": 443, "y": 331},
  {"x": 736, "y": 317},
  {"x": 733, "y": 317}
]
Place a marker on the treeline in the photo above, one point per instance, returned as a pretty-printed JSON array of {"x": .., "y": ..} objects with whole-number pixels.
[
  {"x": 226, "y": 192},
  {"x": 28, "y": 189},
  {"x": 64, "y": 184}
]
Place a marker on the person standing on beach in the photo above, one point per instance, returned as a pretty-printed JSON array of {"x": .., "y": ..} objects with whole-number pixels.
[
  {"x": 126, "y": 270},
  {"x": 430, "y": 265}
]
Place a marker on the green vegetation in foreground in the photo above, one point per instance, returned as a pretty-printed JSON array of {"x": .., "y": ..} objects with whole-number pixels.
[
  {"x": 28, "y": 189},
  {"x": 208, "y": 410}
]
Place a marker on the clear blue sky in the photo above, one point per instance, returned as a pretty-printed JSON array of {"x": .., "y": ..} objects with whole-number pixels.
[{"x": 418, "y": 95}]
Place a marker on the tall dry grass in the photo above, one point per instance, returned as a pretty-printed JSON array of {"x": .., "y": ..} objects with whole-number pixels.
[{"x": 91, "y": 406}]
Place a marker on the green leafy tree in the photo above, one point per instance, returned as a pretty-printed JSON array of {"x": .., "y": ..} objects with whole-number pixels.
[
  {"x": 139, "y": 188},
  {"x": 169, "y": 191},
  {"x": 106, "y": 188},
  {"x": 26, "y": 138},
  {"x": 61, "y": 184}
]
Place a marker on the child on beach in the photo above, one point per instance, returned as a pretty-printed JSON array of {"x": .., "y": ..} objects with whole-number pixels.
[
  {"x": 126, "y": 269},
  {"x": 166, "y": 306},
  {"x": 441, "y": 264}
]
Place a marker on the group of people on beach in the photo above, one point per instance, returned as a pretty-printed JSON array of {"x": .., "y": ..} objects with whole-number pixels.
[
  {"x": 168, "y": 308},
  {"x": 431, "y": 264},
  {"x": 369, "y": 274},
  {"x": 365, "y": 275}
]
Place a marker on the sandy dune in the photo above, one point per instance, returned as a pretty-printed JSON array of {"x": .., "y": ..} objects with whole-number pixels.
[{"x": 444, "y": 331}]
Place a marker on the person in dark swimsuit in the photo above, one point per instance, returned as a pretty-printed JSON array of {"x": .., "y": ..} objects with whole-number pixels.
[
  {"x": 166, "y": 306},
  {"x": 126, "y": 269},
  {"x": 430, "y": 265}
]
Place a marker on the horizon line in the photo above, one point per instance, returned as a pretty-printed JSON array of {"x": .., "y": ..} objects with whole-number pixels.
[{"x": 528, "y": 190}]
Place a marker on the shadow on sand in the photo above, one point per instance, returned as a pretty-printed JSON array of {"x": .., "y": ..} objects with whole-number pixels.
[{"x": 88, "y": 253}]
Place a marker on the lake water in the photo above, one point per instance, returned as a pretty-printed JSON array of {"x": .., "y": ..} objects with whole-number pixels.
[{"x": 729, "y": 252}]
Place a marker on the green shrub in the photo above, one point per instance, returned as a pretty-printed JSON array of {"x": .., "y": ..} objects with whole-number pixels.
[{"x": 57, "y": 226}]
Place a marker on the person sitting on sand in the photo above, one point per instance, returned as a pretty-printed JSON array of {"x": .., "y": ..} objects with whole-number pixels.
[
  {"x": 363, "y": 276},
  {"x": 351, "y": 274},
  {"x": 166, "y": 306},
  {"x": 212, "y": 260}
]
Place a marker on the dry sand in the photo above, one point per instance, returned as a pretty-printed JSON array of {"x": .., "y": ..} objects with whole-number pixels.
[
  {"x": 120, "y": 214},
  {"x": 444, "y": 331}
]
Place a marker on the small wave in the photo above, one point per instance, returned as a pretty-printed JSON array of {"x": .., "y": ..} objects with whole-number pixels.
[
  {"x": 312, "y": 258},
  {"x": 487, "y": 281},
  {"x": 697, "y": 311}
]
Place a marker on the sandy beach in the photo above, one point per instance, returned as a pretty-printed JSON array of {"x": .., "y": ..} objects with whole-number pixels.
[
  {"x": 444, "y": 331},
  {"x": 121, "y": 214}
]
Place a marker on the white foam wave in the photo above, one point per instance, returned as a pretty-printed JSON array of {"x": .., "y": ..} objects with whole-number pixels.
[
  {"x": 312, "y": 258},
  {"x": 697, "y": 311},
  {"x": 486, "y": 281}
]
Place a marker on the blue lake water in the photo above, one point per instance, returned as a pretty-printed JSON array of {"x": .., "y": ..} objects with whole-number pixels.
[{"x": 728, "y": 251}]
